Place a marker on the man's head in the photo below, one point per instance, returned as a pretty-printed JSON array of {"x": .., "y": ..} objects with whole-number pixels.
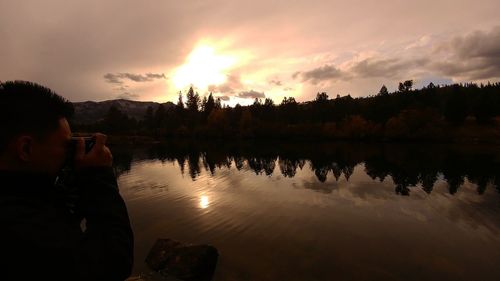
[{"x": 35, "y": 132}]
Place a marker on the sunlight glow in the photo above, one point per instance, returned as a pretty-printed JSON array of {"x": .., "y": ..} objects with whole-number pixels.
[
  {"x": 204, "y": 202},
  {"x": 203, "y": 67}
]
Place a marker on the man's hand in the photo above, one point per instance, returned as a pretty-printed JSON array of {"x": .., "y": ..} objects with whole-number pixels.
[{"x": 98, "y": 156}]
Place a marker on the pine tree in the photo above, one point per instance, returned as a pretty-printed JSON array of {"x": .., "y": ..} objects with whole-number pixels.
[
  {"x": 180, "y": 103},
  {"x": 383, "y": 91},
  {"x": 210, "y": 104},
  {"x": 193, "y": 100}
]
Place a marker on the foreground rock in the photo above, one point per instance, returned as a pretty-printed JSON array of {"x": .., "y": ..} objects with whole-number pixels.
[{"x": 183, "y": 261}]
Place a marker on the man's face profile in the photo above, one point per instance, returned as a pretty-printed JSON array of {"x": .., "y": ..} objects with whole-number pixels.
[{"x": 47, "y": 155}]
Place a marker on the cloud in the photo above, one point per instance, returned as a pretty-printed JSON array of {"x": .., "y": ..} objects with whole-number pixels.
[
  {"x": 475, "y": 56},
  {"x": 385, "y": 67},
  {"x": 156, "y": 75},
  {"x": 121, "y": 88},
  {"x": 251, "y": 95},
  {"x": 478, "y": 44},
  {"x": 471, "y": 57},
  {"x": 275, "y": 82},
  {"x": 223, "y": 88},
  {"x": 322, "y": 73},
  {"x": 232, "y": 84},
  {"x": 127, "y": 96},
  {"x": 222, "y": 98},
  {"x": 112, "y": 78},
  {"x": 332, "y": 28},
  {"x": 118, "y": 78}
]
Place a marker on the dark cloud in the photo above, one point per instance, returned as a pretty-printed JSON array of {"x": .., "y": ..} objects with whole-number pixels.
[
  {"x": 288, "y": 89},
  {"x": 135, "y": 77},
  {"x": 223, "y": 88},
  {"x": 469, "y": 70},
  {"x": 156, "y": 76},
  {"x": 472, "y": 57},
  {"x": 478, "y": 44},
  {"x": 379, "y": 68},
  {"x": 275, "y": 82},
  {"x": 112, "y": 78},
  {"x": 388, "y": 68},
  {"x": 127, "y": 96},
  {"x": 367, "y": 68},
  {"x": 317, "y": 75},
  {"x": 222, "y": 98},
  {"x": 121, "y": 88},
  {"x": 251, "y": 95},
  {"x": 232, "y": 84},
  {"x": 475, "y": 56},
  {"x": 118, "y": 78}
]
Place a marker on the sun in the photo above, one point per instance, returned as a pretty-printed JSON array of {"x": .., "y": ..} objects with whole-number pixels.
[{"x": 202, "y": 68}]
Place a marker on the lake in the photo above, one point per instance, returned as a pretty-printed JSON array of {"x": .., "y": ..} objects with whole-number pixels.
[{"x": 320, "y": 211}]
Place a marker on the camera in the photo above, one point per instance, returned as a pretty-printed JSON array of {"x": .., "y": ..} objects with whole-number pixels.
[
  {"x": 70, "y": 155},
  {"x": 65, "y": 182}
]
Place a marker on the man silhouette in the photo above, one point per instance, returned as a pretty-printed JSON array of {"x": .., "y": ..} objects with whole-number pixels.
[{"x": 40, "y": 237}]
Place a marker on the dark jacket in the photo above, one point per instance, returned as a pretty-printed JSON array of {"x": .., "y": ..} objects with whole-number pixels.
[{"x": 41, "y": 240}]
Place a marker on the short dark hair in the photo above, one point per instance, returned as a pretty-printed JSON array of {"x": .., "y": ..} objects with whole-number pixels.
[{"x": 29, "y": 108}]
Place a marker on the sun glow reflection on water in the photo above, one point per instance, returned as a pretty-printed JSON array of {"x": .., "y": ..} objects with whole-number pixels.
[{"x": 204, "y": 202}]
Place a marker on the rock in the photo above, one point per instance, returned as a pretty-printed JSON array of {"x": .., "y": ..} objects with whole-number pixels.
[{"x": 183, "y": 261}]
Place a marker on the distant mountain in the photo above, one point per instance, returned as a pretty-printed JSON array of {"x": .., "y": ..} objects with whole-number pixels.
[{"x": 90, "y": 111}]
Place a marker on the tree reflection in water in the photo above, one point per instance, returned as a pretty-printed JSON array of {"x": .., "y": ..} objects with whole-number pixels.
[{"x": 408, "y": 165}]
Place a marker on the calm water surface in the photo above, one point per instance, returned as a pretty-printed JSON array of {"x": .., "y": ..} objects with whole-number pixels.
[{"x": 320, "y": 211}]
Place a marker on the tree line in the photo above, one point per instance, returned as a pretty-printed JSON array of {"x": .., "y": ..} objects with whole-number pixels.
[{"x": 432, "y": 113}]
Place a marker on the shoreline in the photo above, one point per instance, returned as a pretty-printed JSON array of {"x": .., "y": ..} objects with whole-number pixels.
[{"x": 151, "y": 140}]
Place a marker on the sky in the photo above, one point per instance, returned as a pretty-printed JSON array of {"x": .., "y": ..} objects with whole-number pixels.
[{"x": 242, "y": 50}]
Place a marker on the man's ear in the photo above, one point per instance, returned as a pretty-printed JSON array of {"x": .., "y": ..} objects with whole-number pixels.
[{"x": 24, "y": 148}]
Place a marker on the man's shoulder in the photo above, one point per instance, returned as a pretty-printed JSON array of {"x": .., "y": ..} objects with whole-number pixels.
[
  {"x": 29, "y": 205},
  {"x": 30, "y": 213}
]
